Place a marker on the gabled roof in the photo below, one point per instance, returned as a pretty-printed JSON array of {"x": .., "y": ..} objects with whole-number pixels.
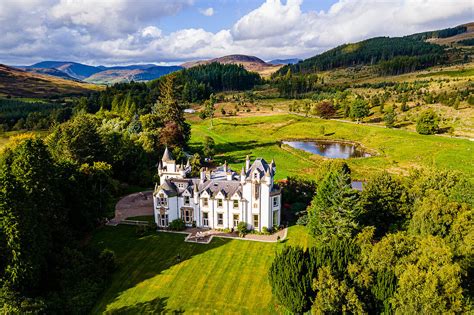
[
  {"x": 259, "y": 165},
  {"x": 167, "y": 156}
]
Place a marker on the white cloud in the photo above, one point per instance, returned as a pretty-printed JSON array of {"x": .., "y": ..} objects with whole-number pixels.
[
  {"x": 125, "y": 31},
  {"x": 207, "y": 12}
]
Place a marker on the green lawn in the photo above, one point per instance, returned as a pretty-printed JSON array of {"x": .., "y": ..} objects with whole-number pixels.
[
  {"x": 398, "y": 150},
  {"x": 226, "y": 276}
]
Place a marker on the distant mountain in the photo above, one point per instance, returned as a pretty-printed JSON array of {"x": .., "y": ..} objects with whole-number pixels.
[
  {"x": 250, "y": 63},
  {"x": 19, "y": 83},
  {"x": 76, "y": 70},
  {"x": 284, "y": 61},
  {"x": 129, "y": 73},
  {"x": 51, "y": 71}
]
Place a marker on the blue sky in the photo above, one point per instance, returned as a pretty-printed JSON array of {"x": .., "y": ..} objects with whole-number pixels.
[
  {"x": 117, "y": 32},
  {"x": 227, "y": 12}
]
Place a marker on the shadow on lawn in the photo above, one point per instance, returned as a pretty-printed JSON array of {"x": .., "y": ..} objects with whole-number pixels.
[
  {"x": 230, "y": 147},
  {"x": 150, "y": 254},
  {"x": 156, "y": 306}
]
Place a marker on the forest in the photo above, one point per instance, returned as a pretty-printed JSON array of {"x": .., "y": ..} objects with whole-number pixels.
[
  {"x": 371, "y": 52},
  {"x": 402, "y": 245}
]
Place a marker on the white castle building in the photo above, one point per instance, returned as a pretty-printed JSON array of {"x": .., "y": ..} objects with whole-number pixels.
[{"x": 218, "y": 199}]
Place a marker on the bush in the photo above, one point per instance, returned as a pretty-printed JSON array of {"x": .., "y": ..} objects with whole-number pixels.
[
  {"x": 325, "y": 109},
  {"x": 427, "y": 123},
  {"x": 303, "y": 220},
  {"x": 177, "y": 225},
  {"x": 242, "y": 229},
  {"x": 266, "y": 231},
  {"x": 108, "y": 260}
]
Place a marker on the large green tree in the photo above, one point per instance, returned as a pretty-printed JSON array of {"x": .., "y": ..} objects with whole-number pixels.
[{"x": 335, "y": 209}]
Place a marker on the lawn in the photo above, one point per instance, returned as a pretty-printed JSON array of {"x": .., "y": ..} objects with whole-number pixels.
[
  {"x": 226, "y": 276},
  {"x": 397, "y": 150}
]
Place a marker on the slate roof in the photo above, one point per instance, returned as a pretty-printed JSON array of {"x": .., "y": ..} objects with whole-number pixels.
[
  {"x": 213, "y": 187},
  {"x": 167, "y": 156}
]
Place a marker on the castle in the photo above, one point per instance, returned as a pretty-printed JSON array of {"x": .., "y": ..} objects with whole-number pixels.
[{"x": 220, "y": 198}]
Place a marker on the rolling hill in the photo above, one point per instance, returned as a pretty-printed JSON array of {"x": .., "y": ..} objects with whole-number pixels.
[
  {"x": 19, "y": 83},
  {"x": 284, "y": 61},
  {"x": 127, "y": 74},
  {"x": 76, "y": 70},
  {"x": 51, "y": 72},
  {"x": 392, "y": 55},
  {"x": 250, "y": 63}
]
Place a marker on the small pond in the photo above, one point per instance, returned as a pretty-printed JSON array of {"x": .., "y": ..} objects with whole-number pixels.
[{"x": 329, "y": 149}]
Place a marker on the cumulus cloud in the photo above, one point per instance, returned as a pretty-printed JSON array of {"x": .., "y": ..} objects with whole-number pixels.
[
  {"x": 207, "y": 12},
  {"x": 125, "y": 31}
]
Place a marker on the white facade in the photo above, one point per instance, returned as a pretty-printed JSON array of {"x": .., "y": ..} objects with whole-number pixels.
[{"x": 218, "y": 199}]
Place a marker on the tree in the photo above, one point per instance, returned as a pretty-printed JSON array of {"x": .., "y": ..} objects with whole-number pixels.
[
  {"x": 334, "y": 296},
  {"x": 390, "y": 118},
  {"x": 335, "y": 208},
  {"x": 427, "y": 123},
  {"x": 290, "y": 278},
  {"x": 209, "y": 109},
  {"x": 77, "y": 140},
  {"x": 385, "y": 203},
  {"x": 171, "y": 135},
  {"x": 359, "y": 109},
  {"x": 208, "y": 147},
  {"x": 325, "y": 109},
  {"x": 168, "y": 109}
]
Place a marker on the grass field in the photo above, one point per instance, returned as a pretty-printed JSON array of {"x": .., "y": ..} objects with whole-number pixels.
[
  {"x": 226, "y": 276},
  {"x": 397, "y": 150}
]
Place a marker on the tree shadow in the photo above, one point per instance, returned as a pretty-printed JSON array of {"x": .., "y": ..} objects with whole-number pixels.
[
  {"x": 248, "y": 146},
  {"x": 152, "y": 254},
  {"x": 156, "y": 306}
]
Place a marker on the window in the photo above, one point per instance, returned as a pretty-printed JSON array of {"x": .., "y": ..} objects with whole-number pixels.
[
  {"x": 187, "y": 215},
  {"x": 275, "y": 202},
  {"x": 236, "y": 220},
  {"x": 162, "y": 200},
  {"x": 220, "y": 219},
  {"x": 205, "y": 219},
  {"x": 275, "y": 218},
  {"x": 219, "y": 203},
  {"x": 255, "y": 175},
  {"x": 186, "y": 200},
  {"x": 255, "y": 221},
  {"x": 163, "y": 219},
  {"x": 204, "y": 202},
  {"x": 236, "y": 204}
]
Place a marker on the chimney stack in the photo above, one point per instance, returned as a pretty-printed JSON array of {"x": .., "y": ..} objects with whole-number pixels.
[{"x": 247, "y": 163}]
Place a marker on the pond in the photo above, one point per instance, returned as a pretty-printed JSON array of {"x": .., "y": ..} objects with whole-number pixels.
[{"x": 329, "y": 149}]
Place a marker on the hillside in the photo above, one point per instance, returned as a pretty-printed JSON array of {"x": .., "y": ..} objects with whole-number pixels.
[
  {"x": 128, "y": 73},
  {"x": 250, "y": 63},
  {"x": 19, "y": 83},
  {"x": 284, "y": 61},
  {"x": 51, "y": 72},
  {"x": 76, "y": 70}
]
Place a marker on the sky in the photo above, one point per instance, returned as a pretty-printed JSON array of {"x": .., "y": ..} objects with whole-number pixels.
[{"x": 117, "y": 32}]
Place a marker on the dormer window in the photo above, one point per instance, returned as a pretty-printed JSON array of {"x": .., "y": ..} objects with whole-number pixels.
[
  {"x": 236, "y": 204},
  {"x": 162, "y": 200},
  {"x": 219, "y": 203},
  {"x": 186, "y": 200},
  {"x": 204, "y": 202},
  {"x": 255, "y": 176}
]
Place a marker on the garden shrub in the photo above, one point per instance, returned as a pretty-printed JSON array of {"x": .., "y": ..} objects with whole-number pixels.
[{"x": 177, "y": 225}]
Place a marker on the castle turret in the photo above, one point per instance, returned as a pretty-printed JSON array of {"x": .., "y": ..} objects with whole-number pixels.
[
  {"x": 196, "y": 193},
  {"x": 202, "y": 175}
]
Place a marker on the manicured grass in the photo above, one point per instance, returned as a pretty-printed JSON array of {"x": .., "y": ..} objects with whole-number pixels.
[
  {"x": 398, "y": 150},
  {"x": 226, "y": 276}
]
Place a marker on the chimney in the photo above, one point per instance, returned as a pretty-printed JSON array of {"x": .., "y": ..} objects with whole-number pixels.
[
  {"x": 242, "y": 176},
  {"x": 225, "y": 166},
  {"x": 203, "y": 175},
  {"x": 247, "y": 163}
]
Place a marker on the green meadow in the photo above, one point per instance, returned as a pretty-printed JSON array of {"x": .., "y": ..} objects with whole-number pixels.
[
  {"x": 160, "y": 273},
  {"x": 395, "y": 150}
]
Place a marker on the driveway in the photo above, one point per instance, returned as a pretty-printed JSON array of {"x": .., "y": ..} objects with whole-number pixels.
[{"x": 137, "y": 204}]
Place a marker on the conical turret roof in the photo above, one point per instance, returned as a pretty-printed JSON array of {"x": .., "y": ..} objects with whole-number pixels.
[{"x": 167, "y": 156}]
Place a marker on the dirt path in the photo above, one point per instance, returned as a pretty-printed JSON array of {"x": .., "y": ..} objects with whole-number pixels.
[{"x": 133, "y": 205}]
